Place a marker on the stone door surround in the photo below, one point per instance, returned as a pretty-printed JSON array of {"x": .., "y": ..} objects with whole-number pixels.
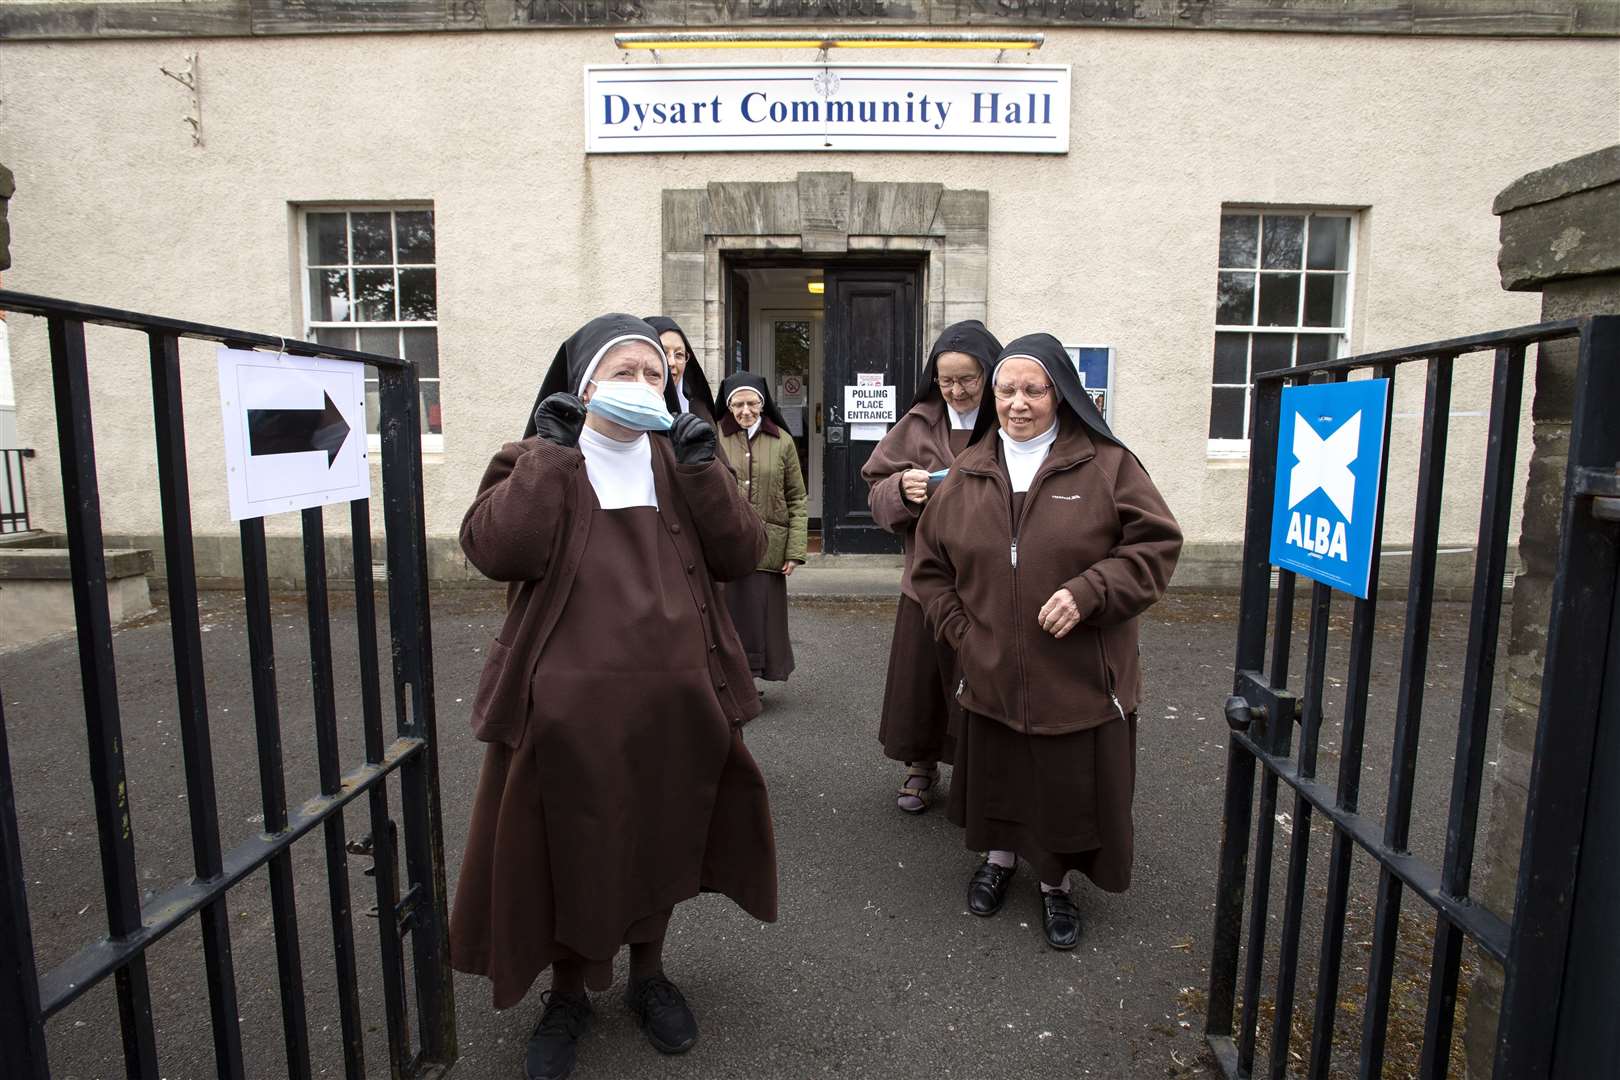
[{"x": 822, "y": 214}]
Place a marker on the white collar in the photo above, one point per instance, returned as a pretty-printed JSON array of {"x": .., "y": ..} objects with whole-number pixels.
[
  {"x": 680, "y": 396},
  {"x": 962, "y": 421},
  {"x": 754, "y": 427},
  {"x": 620, "y": 472}
]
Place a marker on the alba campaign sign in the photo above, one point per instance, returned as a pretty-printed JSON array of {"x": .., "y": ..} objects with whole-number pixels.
[{"x": 1329, "y": 455}]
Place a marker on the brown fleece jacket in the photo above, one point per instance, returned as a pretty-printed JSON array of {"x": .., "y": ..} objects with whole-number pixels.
[{"x": 1092, "y": 523}]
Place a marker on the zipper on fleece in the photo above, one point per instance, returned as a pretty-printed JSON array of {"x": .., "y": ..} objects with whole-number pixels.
[{"x": 1108, "y": 676}]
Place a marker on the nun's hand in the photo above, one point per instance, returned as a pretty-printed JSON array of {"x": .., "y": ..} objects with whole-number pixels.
[
  {"x": 914, "y": 485},
  {"x": 1059, "y": 614},
  {"x": 693, "y": 439},
  {"x": 559, "y": 418}
]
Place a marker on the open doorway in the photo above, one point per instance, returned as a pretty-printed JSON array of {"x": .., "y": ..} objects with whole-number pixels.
[{"x": 812, "y": 327}]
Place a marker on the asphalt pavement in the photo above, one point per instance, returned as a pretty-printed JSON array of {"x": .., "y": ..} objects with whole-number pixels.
[{"x": 874, "y": 969}]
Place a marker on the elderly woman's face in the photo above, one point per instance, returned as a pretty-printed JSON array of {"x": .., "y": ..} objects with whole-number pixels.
[
  {"x": 675, "y": 352},
  {"x": 632, "y": 361},
  {"x": 960, "y": 380},
  {"x": 745, "y": 406},
  {"x": 1025, "y": 399}
]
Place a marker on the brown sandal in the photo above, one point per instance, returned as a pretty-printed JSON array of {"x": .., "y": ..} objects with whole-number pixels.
[{"x": 924, "y": 794}]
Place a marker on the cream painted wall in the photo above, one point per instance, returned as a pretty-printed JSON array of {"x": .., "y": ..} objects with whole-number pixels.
[{"x": 1115, "y": 242}]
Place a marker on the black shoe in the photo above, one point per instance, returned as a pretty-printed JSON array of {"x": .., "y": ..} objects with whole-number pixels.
[
  {"x": 1060, "y": 920},
  {"x": 551, "y": 1047},
  {"x": 664, "y": 1014},
  {"x": 987, "y": 888}
]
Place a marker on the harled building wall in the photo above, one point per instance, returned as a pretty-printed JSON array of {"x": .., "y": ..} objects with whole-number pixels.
[{"x": 1114, "y": 243}]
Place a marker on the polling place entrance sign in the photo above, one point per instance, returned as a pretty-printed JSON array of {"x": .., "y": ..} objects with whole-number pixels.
[
  {"x": 1329, "y": 454},
  {"x": 682, "y": 108},
  {"x": 295, "y": 431}
]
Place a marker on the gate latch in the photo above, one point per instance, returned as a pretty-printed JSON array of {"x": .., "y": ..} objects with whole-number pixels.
[
  {"x": 1265, "y": 713},
  {"x": 1603, "y": 485}
]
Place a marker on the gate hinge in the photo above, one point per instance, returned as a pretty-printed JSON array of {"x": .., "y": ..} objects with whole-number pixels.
[{"x": 1603, "y": 485}]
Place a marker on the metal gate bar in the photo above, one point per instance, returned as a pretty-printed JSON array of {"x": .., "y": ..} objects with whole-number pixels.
[
  {"x": 174, "y": 492},
  {"x": 28, "y": 998},
  {"x": 81, "y": 504},
  {"x": 326, "y": 751},
  {"x": 1264, "y": 711},
  {"x": 1479, "y": 673}
]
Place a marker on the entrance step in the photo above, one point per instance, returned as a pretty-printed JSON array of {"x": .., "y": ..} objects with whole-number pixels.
[
  {"x": 36, "y": 587},
  {"x": 846, "y": 577}
]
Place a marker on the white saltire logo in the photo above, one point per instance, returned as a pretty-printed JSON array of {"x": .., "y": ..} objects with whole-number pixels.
[{"x": 1323, "y": 464}]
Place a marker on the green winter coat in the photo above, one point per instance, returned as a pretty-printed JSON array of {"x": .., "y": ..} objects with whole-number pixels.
[{"x": 768, "y": 474}]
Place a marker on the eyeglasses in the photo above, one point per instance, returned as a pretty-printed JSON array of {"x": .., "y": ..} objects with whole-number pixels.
[
  {"x": 1030, "y": 390},
  {"x": 969, "y": 384}
]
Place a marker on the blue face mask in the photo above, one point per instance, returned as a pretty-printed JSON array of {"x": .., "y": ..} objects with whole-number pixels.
[{"x": 634, "y": 405}]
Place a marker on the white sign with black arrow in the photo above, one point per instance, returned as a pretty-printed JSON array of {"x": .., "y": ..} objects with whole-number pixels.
[{"x": 295, "y": 431}]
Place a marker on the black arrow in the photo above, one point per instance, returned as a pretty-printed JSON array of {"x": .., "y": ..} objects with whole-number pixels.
[{"x": 297, "y": 431}]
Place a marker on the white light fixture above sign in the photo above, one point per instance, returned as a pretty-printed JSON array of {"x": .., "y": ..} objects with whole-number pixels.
[{"x": 817, "y": 39}]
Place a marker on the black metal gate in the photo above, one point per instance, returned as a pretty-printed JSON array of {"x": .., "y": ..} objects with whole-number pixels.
[
  {"x": 1547, "y": 1020},
  {"x": 412, "y": 915}
]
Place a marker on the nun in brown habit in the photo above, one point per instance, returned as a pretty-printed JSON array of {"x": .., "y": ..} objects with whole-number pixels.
[
  {"x": 691, "y": 386},
  {"x": 1034, "y": 560},
  {"x": 945, "y": 417},
  {"x": 616, "y": 783},
  {"x": 754, "y": 438}
]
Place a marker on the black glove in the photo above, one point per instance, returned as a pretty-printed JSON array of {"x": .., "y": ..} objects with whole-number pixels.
[
  {"x": 559, "y": 418},
  {"x": 693, "y": 438}
]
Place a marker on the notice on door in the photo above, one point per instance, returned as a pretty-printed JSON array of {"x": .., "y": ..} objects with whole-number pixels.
[
  {"x": 869, "y": 404},
  {"x": 295, "y": 432}
]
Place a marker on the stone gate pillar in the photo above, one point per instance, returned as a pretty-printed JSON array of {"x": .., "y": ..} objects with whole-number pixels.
[{"x": 1560, "y": 237}]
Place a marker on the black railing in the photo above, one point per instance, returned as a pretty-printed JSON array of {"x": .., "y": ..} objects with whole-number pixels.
[
  {"x": 14, "y": 491},
  {"x": 418, "y": 910},
  {"x": 1264, "y": 714}
]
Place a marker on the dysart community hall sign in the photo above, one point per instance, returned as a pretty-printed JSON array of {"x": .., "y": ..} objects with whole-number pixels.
[{"x": 989, "y": 108}]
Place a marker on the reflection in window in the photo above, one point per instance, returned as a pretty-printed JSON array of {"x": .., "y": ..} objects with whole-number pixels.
[
  {"x": 1281, "y": 299},
  {"x": 373, "y": 286}
]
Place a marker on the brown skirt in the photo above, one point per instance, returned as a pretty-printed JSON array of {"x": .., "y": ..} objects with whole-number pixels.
[
  {"x": 1062, "y": 802},
  {"x": 919, "y": 694},
  {"x": 759, "y": 610}
]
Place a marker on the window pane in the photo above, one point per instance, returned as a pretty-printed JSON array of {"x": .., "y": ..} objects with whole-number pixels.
[
  {"x": 334, "y": 336},
  {"x": 1231, "y": 358},
  {"x": 328, "y": 296},
  {"x": 373, "y": 238},
  {"x": 422, "y": 349},
  {"x": 418, "y": 301},
  {"x": 1226, "y": 412},
  {"x": 1272, "y": 351},
  {"x": 1282, "y": 242},
  {"x": 373, "y": 402},
  {"x": 1279, "y": 299},
  {"x": 374, "y": 295},
  {"x": 414, "y": 229},
  {"x": 1324, "y": 299},
  {"x": 1234, "y": 299},
  {"x": 432, "y": 412},
  {"x": 1330, "y": 244},
  {"x": 328, "y": 239},
  {"x": 1240, "y": 239},
  {"x": 382, "y": 342},
  {"x": 1317, "y": 347}
]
